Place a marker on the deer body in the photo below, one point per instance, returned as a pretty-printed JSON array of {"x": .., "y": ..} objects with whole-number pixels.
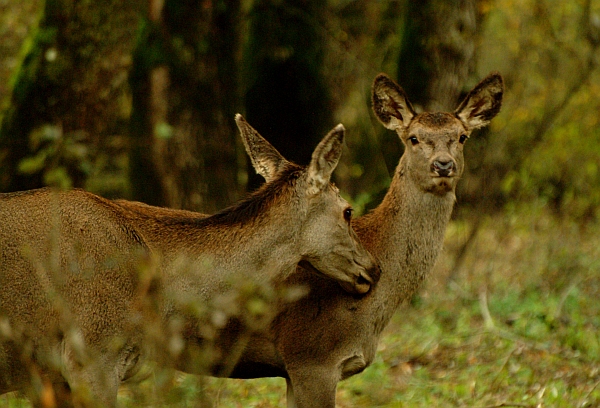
[
  {"x": 328, "y": 335},
  {"x": 76, "y": 301},
  {"x": 47, "y": 313}
]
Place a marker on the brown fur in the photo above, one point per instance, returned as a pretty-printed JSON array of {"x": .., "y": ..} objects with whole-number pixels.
[
  {"x": 85, "y": 280},
  {"x": 328, "y": 335}
]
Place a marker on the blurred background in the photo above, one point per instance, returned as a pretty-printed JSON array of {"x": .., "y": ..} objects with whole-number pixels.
[{"x": 136, "y": 99}]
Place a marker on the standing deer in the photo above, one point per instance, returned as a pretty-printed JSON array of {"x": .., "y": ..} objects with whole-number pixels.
[
  {"x": 328, "y": 336},
  {"x": 73, "y": 291}
]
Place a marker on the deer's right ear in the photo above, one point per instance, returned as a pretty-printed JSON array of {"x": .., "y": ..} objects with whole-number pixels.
[
  {"x": 266, "y": 160},
  {"x": 325, "y": 159},
  {"x": 390, "y": 103}
]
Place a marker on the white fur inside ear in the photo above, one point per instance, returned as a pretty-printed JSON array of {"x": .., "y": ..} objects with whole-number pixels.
[
  {"x": 317, "y": 183},
  {"x": 262, "y": 169},
  {"x": 394, "y": 123},
  {"x": 472, "y": 119}
]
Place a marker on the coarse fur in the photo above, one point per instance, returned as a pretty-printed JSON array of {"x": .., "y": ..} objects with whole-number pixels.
[
  {"x": 92, "y": 289},
  {"x": 328, "y": 335}
]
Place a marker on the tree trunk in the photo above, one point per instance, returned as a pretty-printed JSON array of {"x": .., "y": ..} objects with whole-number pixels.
[
  {"x": 74, "y": 80},
  {"x": 438, "y": 52},
  {"x": 287, "y": 99},
  {"x": 185, "y": 98}
]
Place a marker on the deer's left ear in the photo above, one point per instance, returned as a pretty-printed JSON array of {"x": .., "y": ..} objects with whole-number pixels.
[
  {"x": 482, "y": 103},
  {"x": 325, "y": 159},
  {"x": 266, "y": 160}
]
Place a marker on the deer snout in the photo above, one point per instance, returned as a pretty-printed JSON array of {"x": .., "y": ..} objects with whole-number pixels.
[
  {"x": 371, "y": 275},
  {"x": 443, "y": 168},
  {"x": 368, "y": 276}
]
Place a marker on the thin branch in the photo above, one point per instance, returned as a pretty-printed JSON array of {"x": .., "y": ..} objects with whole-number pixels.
[
  {"x": 505, "y": 334},
  {"x": 587, "y": 395},
  {"x": 546, "y": 22},
  {"x": 462, "y": 251},
  {"x": 504, "y": 364},
  {"x": 565, "y": 294},
  {"x": 551, "y": 115},
  {"x": 590, "y": 64},
  {"x": 485, "y": 311}
]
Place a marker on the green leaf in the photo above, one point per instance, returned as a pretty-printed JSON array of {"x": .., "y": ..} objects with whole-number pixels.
[
  {"x": 30, "y": 165},
  {"x": 58, "y": 177},
  {"x": 163, "y": 131}
]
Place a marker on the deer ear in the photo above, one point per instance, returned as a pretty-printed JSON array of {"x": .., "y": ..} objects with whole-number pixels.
[
  {"x": 482, "y": 103},
  {"x": 390, "y": 103},
  {"x": 266, "y": 160},
  {"x": 325, "y": 159}
]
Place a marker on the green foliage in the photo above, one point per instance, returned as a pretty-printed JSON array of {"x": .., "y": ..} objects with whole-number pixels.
[
  {"x": 54, "y": 152},
  {"x": 546, "y": 141},
  {"x": 163, "y": 131}
]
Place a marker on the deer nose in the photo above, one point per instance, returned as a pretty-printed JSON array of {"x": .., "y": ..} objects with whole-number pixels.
[{"x": 443, "y": 168}]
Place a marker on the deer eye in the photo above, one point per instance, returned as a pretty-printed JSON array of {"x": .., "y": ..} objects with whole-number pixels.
[
  {"x": 348, "y": 214},
  {"x": 413, "y": 140},
  {"x": 463, "y": 138}
]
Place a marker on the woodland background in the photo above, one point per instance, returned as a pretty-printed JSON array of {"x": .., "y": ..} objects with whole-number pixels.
[{"x": 136, "y": 99}]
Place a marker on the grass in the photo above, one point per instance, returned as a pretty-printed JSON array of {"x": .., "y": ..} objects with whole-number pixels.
[{"x": 514, "y": 323}]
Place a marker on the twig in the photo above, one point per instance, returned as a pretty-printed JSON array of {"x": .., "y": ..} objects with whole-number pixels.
[
  {"x": 492, "y": 328},
  {"x": 485, "y": 311},
  {"x": 509, "y": 404},
  {"x": 565, "y": 295},
  {"x": 587, "y": 395},
  {"x": 512, "y": 352},
  {"x": 589, "y": 65},
  {"x": 460, "y": 256}
]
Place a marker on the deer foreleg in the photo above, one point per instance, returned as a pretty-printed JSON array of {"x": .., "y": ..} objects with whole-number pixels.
[
  {"x": 92, "y": 380},
  {"x": 312, "y": 387}
]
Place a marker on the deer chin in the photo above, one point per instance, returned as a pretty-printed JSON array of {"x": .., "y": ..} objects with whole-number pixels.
[{"x": 442, "y": 185}]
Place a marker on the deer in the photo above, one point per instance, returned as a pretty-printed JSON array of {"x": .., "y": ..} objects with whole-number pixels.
[
  {"x": 83, "y": 276},
  {"x": 329, "y": 335}
]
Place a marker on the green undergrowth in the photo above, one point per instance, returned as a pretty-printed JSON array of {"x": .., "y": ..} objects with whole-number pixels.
[{"x": 514, "y": 322}]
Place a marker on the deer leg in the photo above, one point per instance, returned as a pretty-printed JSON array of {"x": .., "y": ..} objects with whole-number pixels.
[
  {"x": 93, "y": 380},
  {"x": 62, "y": 393},
  {"x": 312, "y": 387},
  {"x": 289, "y": 395},
  {"x": 52, "y": 395}
]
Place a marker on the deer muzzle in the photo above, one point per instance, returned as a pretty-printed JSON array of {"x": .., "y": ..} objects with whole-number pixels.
[
  {"x": 366, "y": 278},
  {"x": 443, "y": 168}
]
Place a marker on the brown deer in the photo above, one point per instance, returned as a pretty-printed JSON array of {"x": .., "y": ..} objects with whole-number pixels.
[
  {"x": 75, "y": 296},
  {"x": 328, "y": 335}
]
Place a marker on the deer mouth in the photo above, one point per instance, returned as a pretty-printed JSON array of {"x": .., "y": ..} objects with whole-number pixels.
[
  {"x": 442, "y": 184},
  {"x": 361, "y": 286}
]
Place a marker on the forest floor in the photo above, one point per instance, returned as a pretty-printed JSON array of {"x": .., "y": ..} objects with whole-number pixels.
[{"x": 514, "y": 323}]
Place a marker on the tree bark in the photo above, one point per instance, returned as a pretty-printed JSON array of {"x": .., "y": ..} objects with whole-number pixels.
[
  {"x": 287, "y": 99},
  {"x": 74, "y": 78},
  {"x": 184, "y": 104},
  {"x": 438, "y": 52}
]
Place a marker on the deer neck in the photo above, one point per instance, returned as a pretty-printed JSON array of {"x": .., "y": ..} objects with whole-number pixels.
[
  {"x": 205, "y": 256},
  {"x": 405, "y": 233}
]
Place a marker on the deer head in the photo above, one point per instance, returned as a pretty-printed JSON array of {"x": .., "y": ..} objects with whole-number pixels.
[
  {"x": 327, "y": 217},
  {"x": 434, "y": 140}
]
